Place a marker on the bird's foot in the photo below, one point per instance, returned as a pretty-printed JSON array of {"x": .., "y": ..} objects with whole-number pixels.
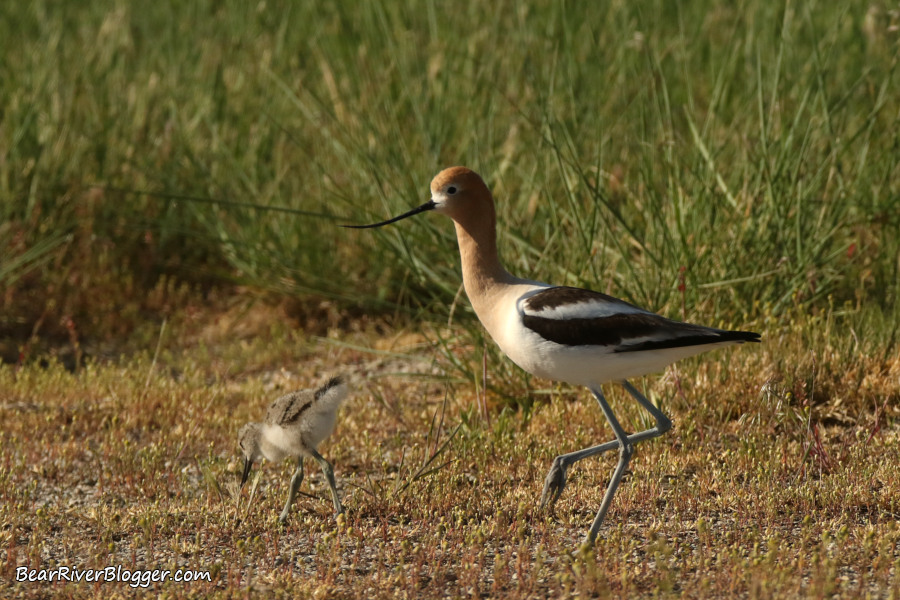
[
  {"x": 554, "y": 483},
  {"x": 340, "y": 520},
  {"x": 282, "y": 518}
]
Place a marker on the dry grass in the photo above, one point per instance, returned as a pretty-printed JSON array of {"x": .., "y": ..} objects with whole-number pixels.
[{"x": 779, "y": 479}]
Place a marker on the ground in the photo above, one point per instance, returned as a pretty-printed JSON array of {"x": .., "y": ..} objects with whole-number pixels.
[{"x": 765, "y": 487}]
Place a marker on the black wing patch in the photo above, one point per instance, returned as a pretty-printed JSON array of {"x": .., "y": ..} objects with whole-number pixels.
[
  {"x": 714, "y": 337},
  {"x": 616, "y": 330},
  {"x": 632, "y": 330}
]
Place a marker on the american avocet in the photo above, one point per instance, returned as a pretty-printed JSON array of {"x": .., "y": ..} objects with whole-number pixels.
[
  {"x": 295, "y": 425},
  {"x": 563, "y": 333}
]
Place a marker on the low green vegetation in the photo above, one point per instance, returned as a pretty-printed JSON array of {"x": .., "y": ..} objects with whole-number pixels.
[{"x": 169, "y": 173}]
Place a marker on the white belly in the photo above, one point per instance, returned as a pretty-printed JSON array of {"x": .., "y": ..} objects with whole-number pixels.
[
  {"x": 298, "y": 440},
  {"x": 588, "y": 365}
]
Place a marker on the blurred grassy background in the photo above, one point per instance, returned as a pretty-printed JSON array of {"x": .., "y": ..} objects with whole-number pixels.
[
  {"x": 749, "y": 150},
  {"x": 163, "y": 166}
]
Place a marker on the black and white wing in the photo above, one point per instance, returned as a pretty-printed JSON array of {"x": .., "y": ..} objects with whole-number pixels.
[{"x": 578, "y": 317}]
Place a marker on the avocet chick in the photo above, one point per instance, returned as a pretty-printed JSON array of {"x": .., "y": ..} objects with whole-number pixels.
[{"x": 295, "y": 425}]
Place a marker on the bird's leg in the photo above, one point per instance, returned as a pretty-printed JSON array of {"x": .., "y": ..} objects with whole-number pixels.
[
  {"x": 296, "y": 480},
  {"x": 329, "y": 475},
  {"x": 556, "y": 478},
  {"x": 626, "y": 449},
  {"x": 663, "y": 423}
]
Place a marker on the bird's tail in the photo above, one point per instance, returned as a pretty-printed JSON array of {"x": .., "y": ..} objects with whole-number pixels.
[{"x": 332, "y": 393}]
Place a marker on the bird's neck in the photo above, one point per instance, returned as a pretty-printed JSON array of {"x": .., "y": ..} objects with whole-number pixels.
[{"x": 482, "y": 272}]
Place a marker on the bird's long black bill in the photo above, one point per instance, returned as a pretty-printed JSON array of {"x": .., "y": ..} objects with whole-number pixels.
[
  {"x": 248, "y": 464},
  {"x": 430, "y": 205}
]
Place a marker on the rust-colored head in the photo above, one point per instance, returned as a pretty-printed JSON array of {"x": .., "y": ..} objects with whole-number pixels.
[{"x": 458, "y": 192}]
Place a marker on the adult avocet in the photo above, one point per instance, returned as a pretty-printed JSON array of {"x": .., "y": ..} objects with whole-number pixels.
[{"x": 563, "y": 333}]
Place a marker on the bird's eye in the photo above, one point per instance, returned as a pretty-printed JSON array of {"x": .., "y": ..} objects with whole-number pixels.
[{"x": 451, "y": 190}]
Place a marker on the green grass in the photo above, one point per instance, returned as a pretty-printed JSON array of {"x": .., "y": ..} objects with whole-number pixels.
[
  {"x": 624, "y": 144},
  {"x": 732, "y": 165}
]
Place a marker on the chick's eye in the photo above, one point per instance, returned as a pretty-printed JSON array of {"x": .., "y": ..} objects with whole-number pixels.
[{"x": 451, "y": 190}]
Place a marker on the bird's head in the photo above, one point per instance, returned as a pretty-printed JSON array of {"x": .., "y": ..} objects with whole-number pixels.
[{"x": 249, "y": 440}]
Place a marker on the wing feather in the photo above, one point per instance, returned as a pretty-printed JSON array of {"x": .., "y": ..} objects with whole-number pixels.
[
  {"x": 288, "y": 408},
  {"x": 577, "y": 317}
]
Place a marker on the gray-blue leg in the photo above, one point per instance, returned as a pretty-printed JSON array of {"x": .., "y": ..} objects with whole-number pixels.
[
  {"x": 329, "y": 475},
  {"x": 626, "y": 449},
  {"x": 296, "y": 480},
  {"x": 556, "y": 478}
]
